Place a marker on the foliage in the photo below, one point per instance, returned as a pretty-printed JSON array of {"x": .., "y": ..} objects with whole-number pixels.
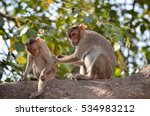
[{"x": 125, "y": 25}]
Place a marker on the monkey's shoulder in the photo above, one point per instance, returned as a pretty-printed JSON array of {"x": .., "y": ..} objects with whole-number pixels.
[
  {"x": 91, "y": 32},
  {"x": 94, "y": 35}
]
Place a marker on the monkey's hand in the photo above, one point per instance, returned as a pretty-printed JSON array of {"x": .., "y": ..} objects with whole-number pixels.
[
  {"x": 60, "y": 56},
  {"x": 42, "y": 75},
  {"x": 34, "y": 95},
  {"x": 78, "y": 77},
  {"x": 54, "y": 59},
  {"x": 23, "y": 78}
]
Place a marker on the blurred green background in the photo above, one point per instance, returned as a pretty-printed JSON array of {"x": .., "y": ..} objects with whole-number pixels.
[{"x": 125, "y": 23}]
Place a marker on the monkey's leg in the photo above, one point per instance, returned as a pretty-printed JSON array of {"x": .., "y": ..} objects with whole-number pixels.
[
  {"x": 23, "y": 79},
  {"x": 101, "y": 67},
  {"x": 81, "y": 77},
  {"x": 84, "y": 74},
  {"x": 41, "y": 86},
  {"x": 36, "y": 74},
  {"x": 83, "y": 70}
]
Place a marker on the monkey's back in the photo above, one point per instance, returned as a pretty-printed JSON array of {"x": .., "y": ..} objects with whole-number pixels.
[
  {"x": 97, "y": 39},
  {"x": 101, "y": 45}
]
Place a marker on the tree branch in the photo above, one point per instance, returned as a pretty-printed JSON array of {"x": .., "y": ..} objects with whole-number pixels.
[
  {"x": 15, "y": 19},
  {"x": 94, "y": 89}
]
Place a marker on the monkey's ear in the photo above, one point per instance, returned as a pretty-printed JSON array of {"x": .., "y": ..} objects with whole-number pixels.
[
  {"x": 82, "y": 26},
  {"x": 38, "y": 40}
]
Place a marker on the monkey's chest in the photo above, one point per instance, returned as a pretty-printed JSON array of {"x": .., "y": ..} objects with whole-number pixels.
[{"x": 39, "y": 63}]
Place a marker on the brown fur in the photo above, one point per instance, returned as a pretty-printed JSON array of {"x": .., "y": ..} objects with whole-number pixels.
[
  {"x": 40, "y": 60},
  {"x": 94, "y": 51}
]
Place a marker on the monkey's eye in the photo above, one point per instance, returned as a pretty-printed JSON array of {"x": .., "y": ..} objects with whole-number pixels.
[
  {"x": 69, "y": 35},
  {"x": 73, "y": 34}
]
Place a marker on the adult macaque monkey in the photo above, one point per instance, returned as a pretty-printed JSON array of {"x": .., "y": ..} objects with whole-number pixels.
[
  {"x": 93, "y": 53},
  {"x": 40, "y": 60}
]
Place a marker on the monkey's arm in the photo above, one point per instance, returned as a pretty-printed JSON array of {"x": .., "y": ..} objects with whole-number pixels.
[
  {"x": 68, "y": 59},
  {"x": 49, "y": 62},
  {"x": 28, "y": 67},
  {"x": 59, "y": 57},
  {"x": 78, "y": 63},
  {"x": 47, "y": 69}
]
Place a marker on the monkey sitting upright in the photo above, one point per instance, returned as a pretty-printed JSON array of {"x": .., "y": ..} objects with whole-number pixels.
[
  {"x": 40, "y": 60},
  {"x": 93, "y": 54}
]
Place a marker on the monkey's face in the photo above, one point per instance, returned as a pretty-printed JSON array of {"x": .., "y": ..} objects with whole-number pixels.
[
  {"x": 74, "y": 37},
  {"x": 33, "y": 48}
]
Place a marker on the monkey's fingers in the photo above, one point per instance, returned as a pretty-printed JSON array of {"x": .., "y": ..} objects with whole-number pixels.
[
  {"x": 54, "y": 59},
  {"x": 74, "y": 78},
  {"x": 22, "y": 79},
  {"x": 34, "y": 79},
  {"x": 60, "y": 56},
  {"x": 77, "y": 77},
  {"x": 36, "y": 94},
  {"x": 83, "y": 77},
  {"x": 33, "y": 95},
  {"x": 42, "y": 77}
]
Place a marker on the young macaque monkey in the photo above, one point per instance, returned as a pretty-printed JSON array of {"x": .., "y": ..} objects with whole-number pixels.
[
  {"x": 40, "y": 60},
  {"x": 93, "y": 54}
]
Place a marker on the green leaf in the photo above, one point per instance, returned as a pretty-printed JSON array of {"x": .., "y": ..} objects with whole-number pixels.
[
  {"x": 31, "y": 33},
  {"x": 21, "y": 60},
  {"x": 19, "y": 46},
  {"x": 45, "y": 4},
  {"x": 8, "y": 80},
  {"x": 89, "y": 19},
  {"x": 148, "y": 56},
  {"x": 12, "y": 43},
  {"x": 112, "y": 13},
  {"x": 70, "y": 19},
  {"x": 117, "y": 72},
  {"x": 137, "y": 24},
  {"x": 145, "y": 49},
  {"x": 121, "y": 60},
  {"x": 1, "y": 21},
  {"x": 24, "y": 30},
  {"x": 24, "y": 38},
  {"x": 128, "y": 43},
  {"x": 1, "y": 72},
  {"x": 143, "y": 28},
  {"x": 116, "y": 46}
]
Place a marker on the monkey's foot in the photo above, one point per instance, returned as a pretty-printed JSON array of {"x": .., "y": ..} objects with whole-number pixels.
[
  {"x": 22, "y": 79},
  {"x": 42, "y": 78},
  {"x": 35, "y": 94},
  {"x": 74, "y": 76},
  {"x": 81, "y": 77},
  {"x": 34, "y": 79}
]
